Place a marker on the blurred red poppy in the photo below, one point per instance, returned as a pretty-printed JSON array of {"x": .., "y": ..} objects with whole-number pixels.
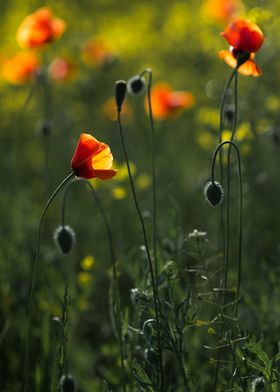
[
  {"x": 96, "y": 52},
  {"x": 20, "y": 68},
  {"x": 61, "y": 70},
  {"x": 222, "y": 10},
  {"x": 168, "y": 103},
  {"x": 92, "y": 159},
  {"x": 245, "y": 38},
  {"x": 39, "y": 28}
]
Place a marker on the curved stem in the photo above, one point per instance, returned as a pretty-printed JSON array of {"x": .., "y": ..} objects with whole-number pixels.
[
  {"x": 116, "y": 298},
  {"x": 150, "y": 79},
  {"x": 34, "y": 281},
  {"x": 154, "y": 287}
]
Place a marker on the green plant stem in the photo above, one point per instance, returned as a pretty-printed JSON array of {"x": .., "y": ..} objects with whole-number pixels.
[
  {"x": 154, "y": 287},
  {"x": 153, "y": 151},
  {"x": 225, "y": 240},
  {"x": 222, "y": 109},
  {"x": 240, "y": 229},
  {"x": 34, "y": 281},
  {"x": 115, "y": 296}
]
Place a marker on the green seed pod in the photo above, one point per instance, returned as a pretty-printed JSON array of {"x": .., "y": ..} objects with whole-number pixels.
[
  {"x": 136, "y": 85},
  {"x": 120, "y": 91},
  {"x": 213, "y": 192},
  {"x": 64, "y": 237},
  {"x": 67, "y": 383},
  {"x": 151, "y": 355}
]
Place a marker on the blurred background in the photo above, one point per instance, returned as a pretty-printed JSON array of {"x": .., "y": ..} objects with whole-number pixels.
[{"x": 41, "y": 119}]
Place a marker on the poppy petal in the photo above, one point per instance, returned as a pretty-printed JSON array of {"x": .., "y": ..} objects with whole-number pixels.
[
  {"x": 249, "y": 68},
  {"x": 244, "y": 35}
]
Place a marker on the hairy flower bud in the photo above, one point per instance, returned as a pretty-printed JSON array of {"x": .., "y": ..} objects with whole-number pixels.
[
  {"x": 213, "y": 192},
  {"x": 67, "y": 383},
  {"x": 136, "y": 85},
  {"x": 120, "y": 91},
  {"x": 64, "y": 237}
]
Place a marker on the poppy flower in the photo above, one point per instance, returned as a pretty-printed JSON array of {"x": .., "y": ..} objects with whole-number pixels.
[
  {"x": 20, "y": 68},
  {"x": 92, "y": 159},
  {"x": 222, "y": 10},
  {"x": 245, "y": 39},
  {"x": 96, "y": 52},
  {"x": 61, "y": 69},
  {"x": 39, "y": 28},
  {"x": 167, "y": 103}
]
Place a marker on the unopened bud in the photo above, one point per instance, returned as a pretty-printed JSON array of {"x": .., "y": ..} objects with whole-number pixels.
[
  {"x": 213, "y": 192},
  {"x": 120, "y": 90},
  {"x": 136, "y": 85},
  {"x": 64, "y": 237},
  {"x": 151, "y": 355},
  {"x": 67, "y": 383}
]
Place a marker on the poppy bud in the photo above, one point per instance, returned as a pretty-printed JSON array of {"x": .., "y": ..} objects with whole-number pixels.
[
  {"x": 64, "y": 237},
  {"x": 120, "y": 90},
  {"x": 136, "y": 85},
  {"x": 213, "y": 192},
  {"x": 229, "y": 113},
  {"x": 46, "y": 129},
  {"x": 151, "y": 355},
  {"x": 67, "y": 383}
]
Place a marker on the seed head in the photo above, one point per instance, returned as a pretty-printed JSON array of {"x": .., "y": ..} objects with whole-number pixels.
[{"x": 213, "y": 192}]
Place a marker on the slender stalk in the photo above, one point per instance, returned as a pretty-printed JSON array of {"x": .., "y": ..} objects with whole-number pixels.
[
  {"x": 154, "y": 287},
  {"x": 116, "y": 297},
  {"x": 240, "y": 230},
  {"x": 225, "y": 239},
  {"x": 34, "y": 282},
  {"x": 153, "y": 151}
]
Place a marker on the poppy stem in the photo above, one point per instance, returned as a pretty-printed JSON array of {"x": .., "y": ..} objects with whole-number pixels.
[
  {"x": 34, "y": 282},
  {"x": 154, "y": 286},
  {"x": 153, "y": 150},
  {"x": 225, "y": 230},
  {"x": 115, "y": 291},
  {"x": 240, "y": 229}
]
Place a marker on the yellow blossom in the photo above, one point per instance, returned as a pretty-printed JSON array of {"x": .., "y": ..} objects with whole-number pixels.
[{"x": 88, "y": 262}]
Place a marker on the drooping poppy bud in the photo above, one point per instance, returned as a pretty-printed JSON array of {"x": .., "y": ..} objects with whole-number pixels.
[
  {"x": 120, "y": 91},
  {"x": 136, "y": 85},
  {"x": 213, "y": 192},
  {"x": 67, "y": 383},
  {"x": 64, "y": 237},
  {"x": 151, "y": 356}
]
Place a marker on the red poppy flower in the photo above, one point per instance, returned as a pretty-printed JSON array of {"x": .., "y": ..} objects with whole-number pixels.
[
  {"x": 167, "y": 103},
  {"x": 92, "y": 159},
  {"x": 61, "y": 69},
  {"x": 39, "y": 28},
  {"x": 245, "y": 38},
  {"x": 20, "y": 68},
  {"x": 97, "y": 52},
  {"x": 222, "y": 10}
]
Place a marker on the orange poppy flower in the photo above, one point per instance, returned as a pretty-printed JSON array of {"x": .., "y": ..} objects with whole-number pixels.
[
  {"x": 222, "y": 10},
  {"x": 167, "y": 103},
  {"x": 249, "y": 68},
  {"x": 61, "y": 70},
  {"x": 245, "y": 38},
  {"x": 39, "y": 28},
  {"x": 96, "y": 52},
  {"x": 20, "y": 68},
  {"x": 92, "y": 159}
]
